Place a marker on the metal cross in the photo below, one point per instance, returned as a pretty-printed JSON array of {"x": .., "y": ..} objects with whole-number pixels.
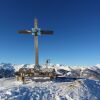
[{"x": 35, "y": 32}]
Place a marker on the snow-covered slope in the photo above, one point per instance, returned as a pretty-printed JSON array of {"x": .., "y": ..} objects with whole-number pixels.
[
  {"x": 85, "y": 87},
  {"x": 6, "y": 70},
  {"x": 82, "y": 89}
]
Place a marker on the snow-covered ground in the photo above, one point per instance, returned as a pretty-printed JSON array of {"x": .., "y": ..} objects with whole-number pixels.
[
  {"x": 82, "y": 89},
  {"x": 86, "y": 87}
]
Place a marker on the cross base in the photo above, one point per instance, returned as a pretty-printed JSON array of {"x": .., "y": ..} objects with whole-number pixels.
[{"x": 37, "y": 67}]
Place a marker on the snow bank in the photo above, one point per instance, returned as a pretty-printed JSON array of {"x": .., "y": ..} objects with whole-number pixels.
[{"x": 82, "y": 89}]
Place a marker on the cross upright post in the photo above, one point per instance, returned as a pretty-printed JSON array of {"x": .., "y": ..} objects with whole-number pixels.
[{"x": 36, "y": 43}]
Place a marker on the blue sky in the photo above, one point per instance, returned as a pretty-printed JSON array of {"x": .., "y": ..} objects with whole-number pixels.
[{"x": 76, "y": 26}]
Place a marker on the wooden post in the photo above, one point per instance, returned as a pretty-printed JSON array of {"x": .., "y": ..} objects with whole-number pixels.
[{"x": 36, "y": 43}]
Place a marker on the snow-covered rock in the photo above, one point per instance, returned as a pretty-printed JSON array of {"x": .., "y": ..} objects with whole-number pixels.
[
  {"x": 90, "y": 72},
  {"x": 6, "y": 70}
]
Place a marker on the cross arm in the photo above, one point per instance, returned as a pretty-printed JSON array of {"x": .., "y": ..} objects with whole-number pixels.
[
  {"x": 46, "y": 32},
  {"x": 24, "y": 32}
]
